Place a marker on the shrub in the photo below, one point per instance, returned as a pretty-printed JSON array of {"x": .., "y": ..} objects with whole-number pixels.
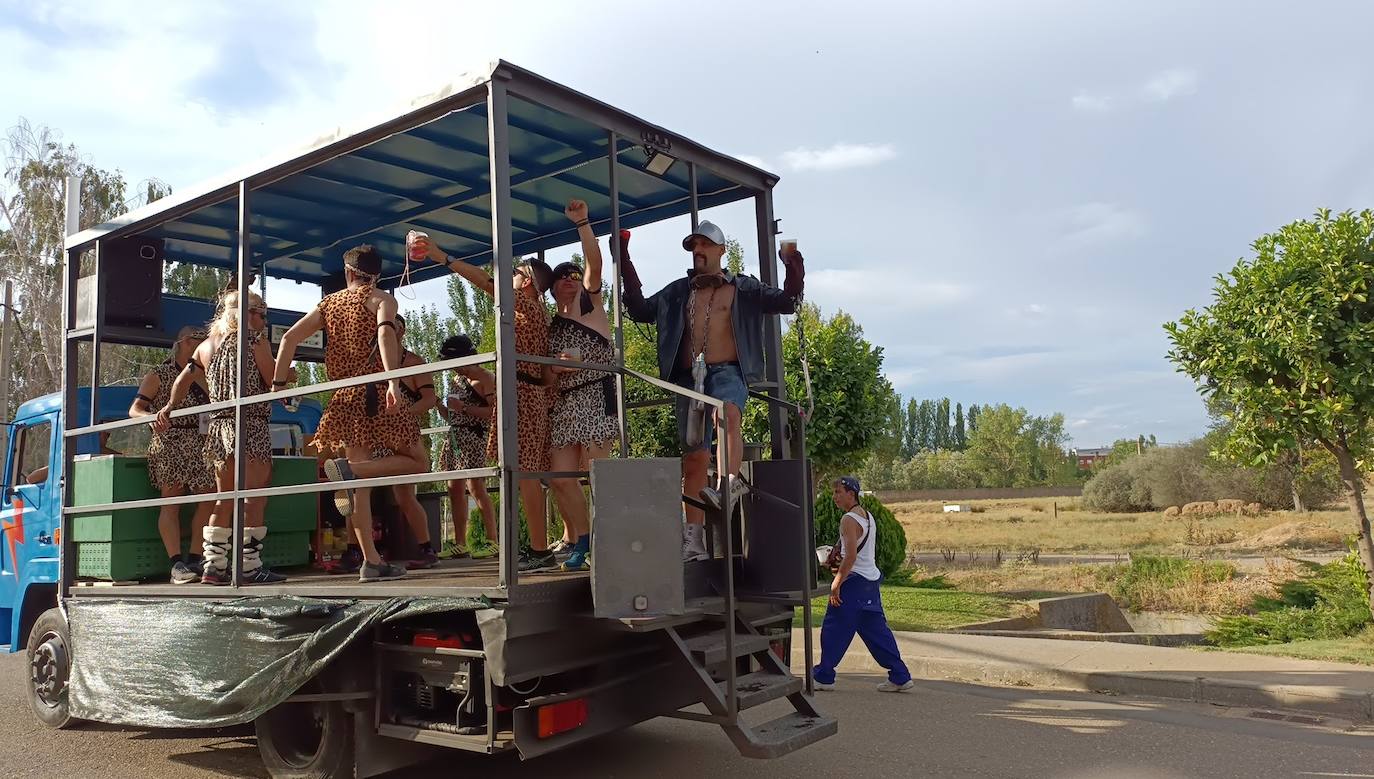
[
  {"x": 891, "y": 552},
  {"x": 1148, "y": 582},
  {"x": 1329, "y": 602},
  {"x": 1110, "y": 490}
]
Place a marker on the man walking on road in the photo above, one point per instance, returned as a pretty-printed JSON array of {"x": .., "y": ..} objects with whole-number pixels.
[{"x": 856, "y": 604}]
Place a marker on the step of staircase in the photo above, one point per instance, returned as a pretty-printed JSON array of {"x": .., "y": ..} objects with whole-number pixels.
[
  {"x": 709, "y": 648},
  {"x": 781, "y": 736},
  {"x": 761, "y": 687}
]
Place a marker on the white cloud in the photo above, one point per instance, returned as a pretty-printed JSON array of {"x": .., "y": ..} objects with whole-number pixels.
[
  {"x": 750, "y": 159},
  {"x": 1032, "y": 311},
  {"x": 1090, "y": 103},
  {"x": 1168, "y": 84},
  {"x": 1097, "y": 223},
  {"x": 855, "y": 290},
  {"x": 840, "y": 156}
]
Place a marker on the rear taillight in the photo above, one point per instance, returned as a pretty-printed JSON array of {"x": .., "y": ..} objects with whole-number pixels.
[{"x": 562, "y": 717}]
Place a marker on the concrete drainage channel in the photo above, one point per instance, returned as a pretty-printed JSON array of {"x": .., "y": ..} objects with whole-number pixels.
[{"x": 1095, "y": 617}]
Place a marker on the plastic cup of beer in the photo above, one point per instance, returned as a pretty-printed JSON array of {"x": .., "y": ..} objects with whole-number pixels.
[
  {"x": 789, "y": 245},
  {"x": 416, "y": 253}
]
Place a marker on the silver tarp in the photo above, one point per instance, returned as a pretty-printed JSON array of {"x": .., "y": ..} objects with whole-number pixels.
[{"x": 189, "y": 663}]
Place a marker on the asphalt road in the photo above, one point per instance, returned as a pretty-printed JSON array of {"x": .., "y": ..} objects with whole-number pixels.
[{"x": 943, "y": 729}]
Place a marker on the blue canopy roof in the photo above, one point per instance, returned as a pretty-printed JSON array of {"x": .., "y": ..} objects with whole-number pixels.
[{"x": 429, "y": 170}]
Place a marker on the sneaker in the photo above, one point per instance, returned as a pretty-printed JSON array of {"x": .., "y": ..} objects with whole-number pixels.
[
  {"x": 263, "y": 575},
  {"x": 343, "y": 502},
  {"x": 426, "y": 560},
  {"x": 561, "y": 546},
  {"x": 694, "y": 543},
  {"x": 215, "y": 577},
  {"x": 338, "y": 469},
  {"x": 890, "y": 687},
  {"x": 348, "y": 563},
  {"x": 537, "y": 562},
  {"x": 184, "y": 574},
  {"x": 823, "y": 686},
  {"x": 453, "y": 551},
  {"x": 738, "y": 488},
  {"x": 484, "y": 550},
  {"x": 577, "y": 561},
  {"x": 380, "y": 573}
]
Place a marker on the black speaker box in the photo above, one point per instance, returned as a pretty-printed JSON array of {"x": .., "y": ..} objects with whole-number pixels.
[{"x": 131, "y": 284}]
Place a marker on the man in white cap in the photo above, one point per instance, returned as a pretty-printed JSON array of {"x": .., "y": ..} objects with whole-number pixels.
[{"x": 710, "y": 325}]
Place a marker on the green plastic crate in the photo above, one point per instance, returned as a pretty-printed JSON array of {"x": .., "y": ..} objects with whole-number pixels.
[
  {"x": 108, "y": 479},
  {"x": 121, "y": 560},
  {"x": 293, "y": 513},
  {"x": 286, "y": 550}
]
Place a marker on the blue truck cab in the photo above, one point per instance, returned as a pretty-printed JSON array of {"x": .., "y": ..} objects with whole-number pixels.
[{"x": 31, "y": 498}]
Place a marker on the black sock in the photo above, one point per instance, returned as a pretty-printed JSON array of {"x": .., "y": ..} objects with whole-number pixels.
[
  {"x": 173, "y": 560},
  {"x": 426, "y": 548},
  {"x": 192, "y": 558}
]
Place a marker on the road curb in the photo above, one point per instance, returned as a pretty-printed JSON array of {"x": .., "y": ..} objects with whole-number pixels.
[{"x": 1343, "y": 702}]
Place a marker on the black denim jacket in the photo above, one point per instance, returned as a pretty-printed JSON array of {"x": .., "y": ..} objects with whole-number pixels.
[{"x": 667, "y": 309}]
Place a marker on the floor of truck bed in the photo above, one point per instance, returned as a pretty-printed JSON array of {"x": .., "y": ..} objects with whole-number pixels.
[{"x": 450, "y": 577}]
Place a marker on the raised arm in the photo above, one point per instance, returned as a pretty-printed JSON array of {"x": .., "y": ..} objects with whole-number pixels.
[
  {"x": 262, "y": 359},
  {"x": 478, "y": 277},
  {"x": 143, "y": 401},
  {"x": 591, "y": 248},
  {"x": 305, "y": 327},
  {"x": 637, "y": 306},
  {"x": 784, "y": 301}
]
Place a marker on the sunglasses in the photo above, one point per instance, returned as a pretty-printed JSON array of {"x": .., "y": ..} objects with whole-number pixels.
[{"x": 573, "y": 274}]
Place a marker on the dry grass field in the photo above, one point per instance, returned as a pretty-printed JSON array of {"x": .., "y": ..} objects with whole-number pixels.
[{"x": 1060, "y": 525}]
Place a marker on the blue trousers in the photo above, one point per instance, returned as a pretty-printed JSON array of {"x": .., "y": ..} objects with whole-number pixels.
[{"x": 860, "y": 611}]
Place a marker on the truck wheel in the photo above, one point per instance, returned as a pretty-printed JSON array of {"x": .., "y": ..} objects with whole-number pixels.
[
  {"x": 50, "y": 666},
  {"x": 307, "y": 741}
]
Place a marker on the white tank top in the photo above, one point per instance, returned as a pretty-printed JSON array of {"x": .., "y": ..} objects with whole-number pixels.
[{"x": 865, "y": 563}]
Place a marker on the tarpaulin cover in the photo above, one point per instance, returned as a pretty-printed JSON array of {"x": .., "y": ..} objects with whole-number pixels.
[{"x": 190, "y": 663}]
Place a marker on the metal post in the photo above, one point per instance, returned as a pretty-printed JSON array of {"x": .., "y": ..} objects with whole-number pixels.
[
  {"x": 5, "y": 357},
  {"x": 617, "y": 326},
  {"x": 728, "y": 508},
  {"x": 97, "y": 329},
  {"x": 809, "y": 574},
  {"x": 772, "y": 332},
  {"x": 66, "y": 559},
  {"x": 245, "y": 363},
  {"x": 692, "y": 192},
  {"x": 498, "y": 153}
]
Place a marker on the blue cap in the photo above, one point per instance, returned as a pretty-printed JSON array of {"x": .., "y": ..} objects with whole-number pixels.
[{"x": 850, "y": 483}]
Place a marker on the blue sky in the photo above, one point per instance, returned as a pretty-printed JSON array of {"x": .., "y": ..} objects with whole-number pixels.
[{"x": 1010, "y": 197}]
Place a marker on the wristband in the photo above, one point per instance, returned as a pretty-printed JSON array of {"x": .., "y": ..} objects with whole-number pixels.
[{"x": 584, "y": 223}]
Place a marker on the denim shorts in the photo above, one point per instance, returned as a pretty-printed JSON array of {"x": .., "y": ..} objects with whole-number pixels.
[{"x": 724, "y": 381}]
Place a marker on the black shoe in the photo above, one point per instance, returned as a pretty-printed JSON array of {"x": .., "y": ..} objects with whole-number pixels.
[
  {"x": 184, "y": 574},
  {"x": 538, "y": 562},
  {"x": 213, "y": 576},
  {"x": 427, "y": 559},
  {"x": 263, "y": 575}
]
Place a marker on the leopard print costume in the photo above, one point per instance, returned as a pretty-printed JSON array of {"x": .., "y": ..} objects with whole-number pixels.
[
  {"x": 176, "y": 457},
  {"x": 466, "y": 435},
  {"x": 532, "y": 401},
  {"x": 222, "y": 374},
  {"x": 584, "y": 412},
  {"x": 356, "y": 416}
]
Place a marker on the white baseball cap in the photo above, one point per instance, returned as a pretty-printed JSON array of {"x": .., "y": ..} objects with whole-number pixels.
[{"x": 708, "y": 231}]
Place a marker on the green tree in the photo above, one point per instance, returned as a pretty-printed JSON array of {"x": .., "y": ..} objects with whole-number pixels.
[
  {"x": 1288, "y": 347},
  {"x": 960, "y": 435},
  {"x": 911, "y": 443},
  {"x": 973, "y": 412},
  {"x": 942, "y": 426},
  {"x": 1001, "y": 451},
  {"x": 848, "y": 386},
  {"x": 925, "y": 425}
]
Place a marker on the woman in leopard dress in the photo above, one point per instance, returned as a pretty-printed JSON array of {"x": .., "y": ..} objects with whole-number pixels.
[
  {"x": 585, "y": 422},
  {"x": 468, "y": 409},
  {"x": 217, "y": 357},
  {"x": 176, "y": 462}
]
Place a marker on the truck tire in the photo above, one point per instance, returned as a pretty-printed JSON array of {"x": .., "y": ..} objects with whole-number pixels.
[
  {"x": 50, "y": 666},
  {"x": 307, "y": 741}
]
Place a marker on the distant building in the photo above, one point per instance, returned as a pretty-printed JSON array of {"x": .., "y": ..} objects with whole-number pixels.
[{"x": 1089, "y": 458}]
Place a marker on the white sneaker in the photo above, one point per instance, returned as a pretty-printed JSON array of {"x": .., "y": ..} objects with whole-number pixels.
[
  {"x": 890, "y": 687},
  {"x": 738, "y": 488},
  {"x": 694, "y": 543},
  {"x": 822, "y": 686}
]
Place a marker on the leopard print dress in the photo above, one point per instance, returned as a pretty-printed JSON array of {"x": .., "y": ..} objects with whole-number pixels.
[
  {"x": 532, "y": 401},
  {"x": 584, "y": 413},
  {"x": 356, "y": 417},
  {"x": 176, "y": 457},
  {"x": 467, "y": 436},
  {"x": 222, "y": 375}
]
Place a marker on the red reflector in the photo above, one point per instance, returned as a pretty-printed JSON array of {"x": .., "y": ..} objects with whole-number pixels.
[
  {"x": 561, "y": 717},
  {"x": 780, "y": 649}
]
